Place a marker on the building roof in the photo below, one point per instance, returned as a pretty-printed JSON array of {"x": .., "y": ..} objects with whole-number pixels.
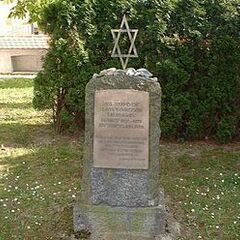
[{"x": 35, "y": 41}]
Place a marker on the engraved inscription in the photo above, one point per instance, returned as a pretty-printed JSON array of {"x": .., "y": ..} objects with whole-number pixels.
[
  {"x": 125, "y": 148},
  {"x": 121, "y": 129}
]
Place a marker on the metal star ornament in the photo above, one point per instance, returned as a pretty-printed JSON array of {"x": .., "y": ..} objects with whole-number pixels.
[{"x": 132, "y": 34}]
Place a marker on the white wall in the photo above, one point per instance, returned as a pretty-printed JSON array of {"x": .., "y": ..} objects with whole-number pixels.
[
  {"x": 32, "y": 62},
  {"x": 18, "y": 58},
  {"x": 12, "y": 27}
]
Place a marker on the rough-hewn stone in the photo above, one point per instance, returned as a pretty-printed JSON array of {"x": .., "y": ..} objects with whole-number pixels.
[
  {"x": 122, "y": 202},
  {"x": 120, "y": 223}
]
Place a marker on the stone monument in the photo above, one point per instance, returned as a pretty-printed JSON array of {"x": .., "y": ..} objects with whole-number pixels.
[{"x": 121, "y": 197}]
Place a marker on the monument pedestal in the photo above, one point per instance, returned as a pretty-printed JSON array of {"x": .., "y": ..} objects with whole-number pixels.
[
  {"x": 120, "y": 197},
  {"x": 120, "y": 223}
]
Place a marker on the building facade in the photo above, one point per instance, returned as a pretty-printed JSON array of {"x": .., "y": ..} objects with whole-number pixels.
[{"x": 21, "y": 47}]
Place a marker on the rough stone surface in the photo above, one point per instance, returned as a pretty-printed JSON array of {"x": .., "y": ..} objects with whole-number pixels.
[
  {"x": 120, "y": 223},
  {"x": 140, "y": 73},
  {"x": 121, "y": 203},
  {"x": 85, "y": 217},
  {"x": 111, "y": 186}
]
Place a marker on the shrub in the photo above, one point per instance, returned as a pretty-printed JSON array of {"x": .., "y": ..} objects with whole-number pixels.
[
  {"x": 61, "y": 83},
  {"x": 200, "y": 71},
  {"x": 192, "y": 46}
]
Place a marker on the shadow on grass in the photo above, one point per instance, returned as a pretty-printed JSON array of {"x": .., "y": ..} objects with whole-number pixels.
[
  {"x": 25, "y": 134},
  {"x": 42, "y": 183},
  {"x": 24, "y": 105},
  {"x": 40, "y": 172},
  {"x": 16, "y": 83}
]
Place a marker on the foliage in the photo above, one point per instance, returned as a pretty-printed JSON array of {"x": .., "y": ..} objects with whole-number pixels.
[
  {"x": 27, "y": 8},
  {"x": 201, "y": 73},
  {"x": 89, "y": 24},
  {"x": 192, "y": 46},
  {"x": 61, "y": 84}
]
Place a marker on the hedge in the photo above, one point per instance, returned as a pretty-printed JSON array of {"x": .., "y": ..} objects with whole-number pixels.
[{"x": 192, "y": 46}]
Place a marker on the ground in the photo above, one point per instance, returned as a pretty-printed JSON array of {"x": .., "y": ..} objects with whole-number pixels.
[{"x": 40, "y": 174}]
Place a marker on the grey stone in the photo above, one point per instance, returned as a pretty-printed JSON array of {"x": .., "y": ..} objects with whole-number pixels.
[
  {"x": 117, "y": 191},
  {"x": 130, "y": 72},
  {"x": 111, "y": 186},
  {"x": 119, "y": 72},
  {"x": 154, "y": 79},
  {"x": 122, "y": 203},
  {"x": 142, "y": 72},
  {"x": 120, "y": 222},
  {"x": 106, "y": 72},
  {"x": 95, "y": 75}
]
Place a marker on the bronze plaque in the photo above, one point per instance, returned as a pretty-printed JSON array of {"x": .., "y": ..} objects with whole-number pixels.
[{"x": 121, "y": 129}]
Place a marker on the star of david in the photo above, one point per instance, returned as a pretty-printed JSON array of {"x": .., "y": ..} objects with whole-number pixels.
[{"x": 132, "y": 34}]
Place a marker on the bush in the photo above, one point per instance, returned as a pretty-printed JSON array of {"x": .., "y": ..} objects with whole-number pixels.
[
  {"x": 192, "y": 46},
  {"x": 61, "y": 83},
  {"x": 200, "y": 76}
]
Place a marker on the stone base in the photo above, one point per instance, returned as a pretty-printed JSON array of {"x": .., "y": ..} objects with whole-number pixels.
[{"x": 120, "y": 223}]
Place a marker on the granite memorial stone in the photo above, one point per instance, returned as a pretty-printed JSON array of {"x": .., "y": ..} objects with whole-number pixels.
[{"x": 120, "y": 190}]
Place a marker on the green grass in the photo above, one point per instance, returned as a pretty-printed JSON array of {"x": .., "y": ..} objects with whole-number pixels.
[
  {"x": 203, "y": 183},
  {"x": 39, "y": 171},
  {"x": 40, "y": 176}
]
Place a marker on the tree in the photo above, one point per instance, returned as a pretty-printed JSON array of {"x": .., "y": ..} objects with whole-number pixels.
[
  {"x": 192, "y": 46},
  {"x": 81, "y": 45},
  {"x": 28, "y": 8}
]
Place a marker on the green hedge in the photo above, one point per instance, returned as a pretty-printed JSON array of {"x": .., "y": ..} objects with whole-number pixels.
[{"x": 192, "y": 46}]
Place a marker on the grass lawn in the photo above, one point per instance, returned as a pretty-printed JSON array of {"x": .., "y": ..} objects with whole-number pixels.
[{"x": 40, "y": 176}]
